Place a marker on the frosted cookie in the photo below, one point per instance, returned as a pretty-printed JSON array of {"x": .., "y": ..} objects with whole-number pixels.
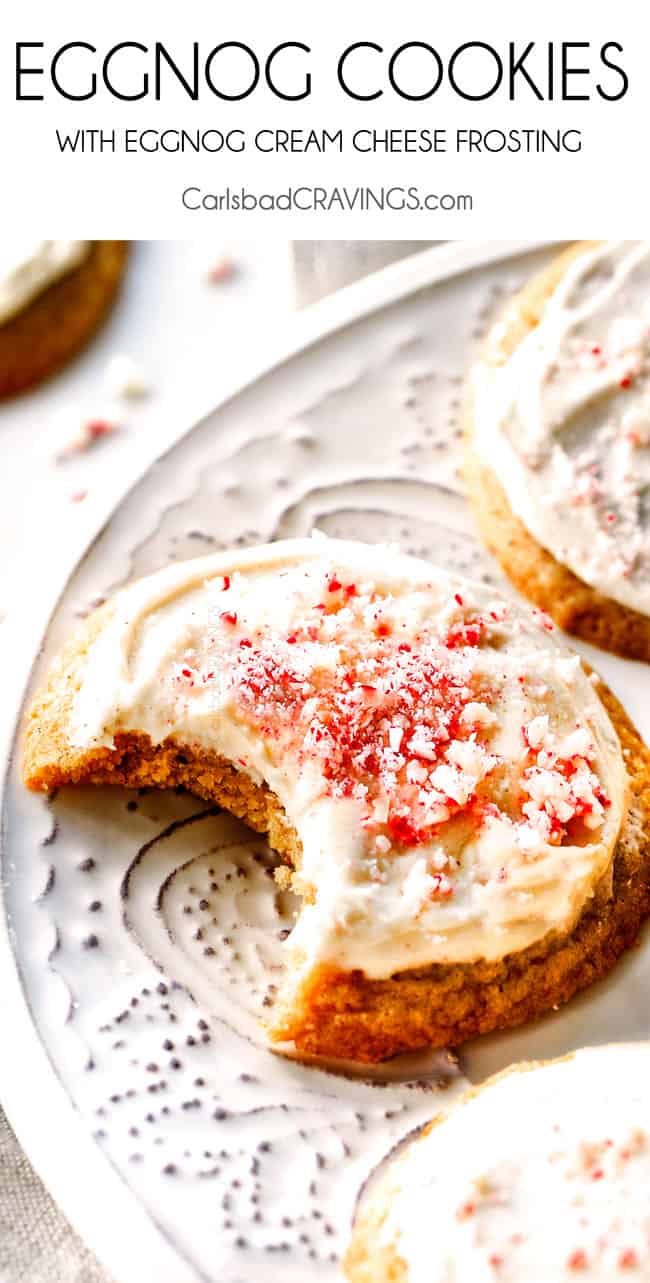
[
  {"x": 539, "y": 1176},
  {"x": 53, "y": 295},
  {"x": 445, "y": 780},
  {"x": 559, "y": 443}
]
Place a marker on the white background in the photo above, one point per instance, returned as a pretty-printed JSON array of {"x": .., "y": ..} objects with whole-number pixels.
[
  {"x": 187, "y": 336},
  {"x": 602, "y": 191}
]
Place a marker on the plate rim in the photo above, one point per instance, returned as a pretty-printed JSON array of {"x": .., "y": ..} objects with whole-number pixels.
[{"x": 47, "y": 1123}]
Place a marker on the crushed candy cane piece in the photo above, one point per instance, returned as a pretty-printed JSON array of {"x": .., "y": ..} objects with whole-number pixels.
[
  {"x": 125, "y": 378},
  {"x": 222, "y": 270},
  {"x": 92, "y": 431}
]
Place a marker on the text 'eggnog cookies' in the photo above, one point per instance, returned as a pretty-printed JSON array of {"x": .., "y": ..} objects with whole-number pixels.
[
  {"x": 559, "y": 443},
  {"x": 446, "y": 782},
  {"x": 539, "y": 1176},
  {"x": 53, "y": 295}
]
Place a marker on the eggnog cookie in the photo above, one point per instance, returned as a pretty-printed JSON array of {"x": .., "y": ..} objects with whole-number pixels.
[
  {"x": 558, "y": 459},
  {"x": 446, "y": 783},
  {"x": 539, "y": 1176},
  {"x": 53, "y": 295}
]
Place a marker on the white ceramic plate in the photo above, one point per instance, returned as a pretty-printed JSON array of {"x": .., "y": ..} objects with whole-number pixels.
[{"x": 140, "y": 935}]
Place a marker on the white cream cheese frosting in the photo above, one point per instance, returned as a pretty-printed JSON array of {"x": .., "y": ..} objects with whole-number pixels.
[
  {"x": 565, "y": 422},
  {"x": 542, "y": 1177},
  {"x": 28, "y": 267},
  {"x": 455, "y": 782}
]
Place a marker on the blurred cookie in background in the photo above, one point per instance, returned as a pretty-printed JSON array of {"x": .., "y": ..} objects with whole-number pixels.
[{"x": 53, "y": 296}]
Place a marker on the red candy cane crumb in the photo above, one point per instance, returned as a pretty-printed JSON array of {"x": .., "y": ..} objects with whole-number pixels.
[
  {"x": 543, "y": 620},
  {"x": 222, "y": 270},
  {"x": 96, "y": 428},
  {"x": 578, "y": 1260},
  {"x": 465, "y": 1210},
  {"x": 468, "y": 633},
  {"x": 628, "y": 1260}
]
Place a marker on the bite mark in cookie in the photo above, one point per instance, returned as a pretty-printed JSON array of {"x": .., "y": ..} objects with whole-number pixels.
[{"x": 444, "y": 779}]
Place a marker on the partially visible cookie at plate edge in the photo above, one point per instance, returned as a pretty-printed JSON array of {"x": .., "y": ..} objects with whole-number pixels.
[
  {"x": 53, "y": 296},
  {"x": 540, "y": 1175},
  {"x": 558, "y": 443}
]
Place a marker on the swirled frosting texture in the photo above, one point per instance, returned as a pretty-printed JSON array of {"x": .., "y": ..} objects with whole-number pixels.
[
  {"x": 565, "y": 423},
  {"x": 454, "y": 780},
  {"x": 542, "y": 1177},
  {"x": 27, "y": 268}
]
